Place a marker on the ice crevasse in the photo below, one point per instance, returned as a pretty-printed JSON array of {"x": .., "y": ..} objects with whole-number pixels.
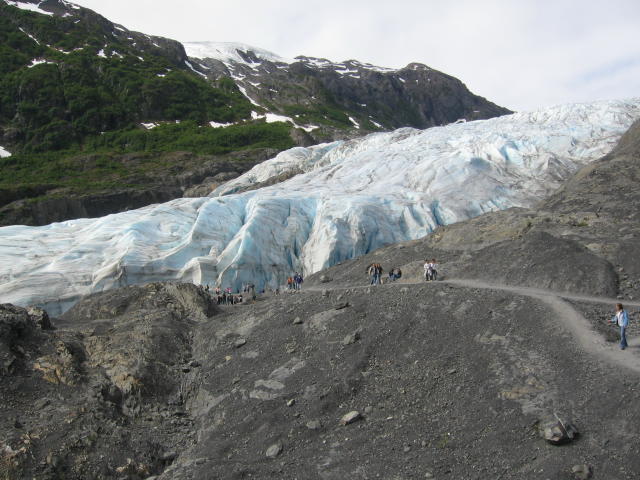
[{"x": 343, "y": 199}]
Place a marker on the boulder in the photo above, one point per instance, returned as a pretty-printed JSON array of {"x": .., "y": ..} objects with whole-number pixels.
[
  {"x": 350, "y": 418},
  {"x": 558, "y": 431},
  {"x": 274, "y": 450}
]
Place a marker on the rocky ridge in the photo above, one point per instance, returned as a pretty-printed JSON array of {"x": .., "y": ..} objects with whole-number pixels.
[{"x": 336, "y": 100}]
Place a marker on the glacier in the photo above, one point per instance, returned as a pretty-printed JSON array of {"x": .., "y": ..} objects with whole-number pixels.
[{"x": 341, "y": 200}]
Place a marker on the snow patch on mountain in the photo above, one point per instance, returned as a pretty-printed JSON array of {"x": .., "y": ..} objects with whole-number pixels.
[
  {"x": 228, "y": 52},
  {"x": 342, "y": 199},
  {"x": 4, "y": 153},
  {"x": 27, "y": 6}
]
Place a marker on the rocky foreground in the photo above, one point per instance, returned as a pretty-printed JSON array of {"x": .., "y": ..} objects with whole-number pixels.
[{"x": 461, "y": 378}]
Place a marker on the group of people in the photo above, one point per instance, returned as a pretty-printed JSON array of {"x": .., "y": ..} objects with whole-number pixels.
[
  {"x": 375, "y": 273},
  {"x": 430, "y": 270},
  {"x": 227, "y": 297},
  {"x": 295, "y": 282}
]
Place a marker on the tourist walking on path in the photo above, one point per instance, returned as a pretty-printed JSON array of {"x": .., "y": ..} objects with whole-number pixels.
[
  {"x": 298, "y": 280},
  {"x": 621, "y": 318}
]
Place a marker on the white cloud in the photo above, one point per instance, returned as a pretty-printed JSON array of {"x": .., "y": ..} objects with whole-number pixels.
[{"x": 522, "y": 54}]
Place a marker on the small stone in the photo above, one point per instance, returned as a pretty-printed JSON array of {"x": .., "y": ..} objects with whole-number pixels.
[
  {"x": 407, "y": 449},
  {"x": 325, "y": 293},
  {"x": 297, "y": 321},
  {"x": 313, "y": 425},
  {"x": 582, "y": 472},
  {"x": 195, "y": 364},
  {"x": 368, "y": 410},
  {"x": 186, "y": 369},
  {"x": 240, "y": 342},
  {"x": 42, "y": 403},
  {"x": 452, "y": 371},
  {"x": 324, "y": 279},
  {"x": 274, "y": 450},
  {"x": 169, "y": 456},
  {"x": 428, "y": 475},
  {"x": 341, "y": 305},
  {"x": 351, "y": 338},
  {"x": 350, "y": 417},
  {"x": 291, "y": 402}
]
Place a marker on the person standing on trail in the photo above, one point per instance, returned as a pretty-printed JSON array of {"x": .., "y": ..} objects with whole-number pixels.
[
  {"x": 426, "y": 269},
  {"x": 371, "y": 271},
  {"x": 299, "y": 280},
  {"x": 621, "y": 318}
]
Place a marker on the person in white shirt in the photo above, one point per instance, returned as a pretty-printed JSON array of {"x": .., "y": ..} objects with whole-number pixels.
[{"x": 621, "y": 318}]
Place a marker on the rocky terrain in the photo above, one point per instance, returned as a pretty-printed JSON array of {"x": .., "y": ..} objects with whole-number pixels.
[{"x": 458, "y": 378}]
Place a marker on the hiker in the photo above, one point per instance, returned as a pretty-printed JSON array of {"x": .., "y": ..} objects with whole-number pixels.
[
  {"x": 395, "y": 274},
  {"x": 289, "y": 283},
  {"x": 251, "y": 288},
  {"x": 298, "y": 279},
  {"x": 218, "y": 295},
  {"x": 430, "y": 270},
  {"x": 621, "y": 318},
  {"x": 376, "y": 274},
  {"x": 371, "y": 271}
]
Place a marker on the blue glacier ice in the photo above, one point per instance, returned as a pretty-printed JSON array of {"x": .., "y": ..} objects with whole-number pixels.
[{"x": 352, "y": 197}]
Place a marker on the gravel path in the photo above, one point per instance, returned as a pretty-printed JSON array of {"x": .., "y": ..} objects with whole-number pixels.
[{"x": 590, "y": 340}]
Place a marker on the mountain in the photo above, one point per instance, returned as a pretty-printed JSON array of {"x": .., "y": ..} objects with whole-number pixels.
[
  {"x": 326, "y": 97},
  {"x": 96, "y": 119},
  {"x": 474, "y": 376},
  {"x": 310, "y": 208}
]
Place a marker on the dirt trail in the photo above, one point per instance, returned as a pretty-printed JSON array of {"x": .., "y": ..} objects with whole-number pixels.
[{"x": 590, "y": 341}]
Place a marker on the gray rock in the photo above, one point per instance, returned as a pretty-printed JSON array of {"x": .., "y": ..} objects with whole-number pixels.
[
  {"x": 582, "y": 472},
  {"x": 324, "y": 279},
  {"x": 313, "y": 425},
  {"x": 341, "y": 305},
  {"x": 297, "y": 321},
  {"x": 42, "y": 403},
  {"x": 351, "y": 338},
  {"x": 291, "y": 402},
  {"x": 169, "y": 456},
  {"x": 274, "y": 450},
  {"x": 558, "y": 431},
  {"x": 325, "y": 293},
  {"x": 350, "y": 417},
  {"x": 41, "y": 317},
  {"x": 240, "y": 342},
  {"x": 368, "y": 410}
]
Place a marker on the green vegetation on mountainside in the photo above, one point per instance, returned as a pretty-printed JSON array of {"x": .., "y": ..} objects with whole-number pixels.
[
  {"x": 100, "y": 164},
  {"x": 75, "y": 87}
]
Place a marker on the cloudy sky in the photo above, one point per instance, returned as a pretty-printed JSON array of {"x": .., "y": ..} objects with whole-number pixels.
[{"x": 522, "y": 54}]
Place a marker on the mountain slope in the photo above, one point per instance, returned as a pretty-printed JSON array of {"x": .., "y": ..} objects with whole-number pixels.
[
  {"x": 351, "y": 198},
  {"x": 349, "y": 95}
]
